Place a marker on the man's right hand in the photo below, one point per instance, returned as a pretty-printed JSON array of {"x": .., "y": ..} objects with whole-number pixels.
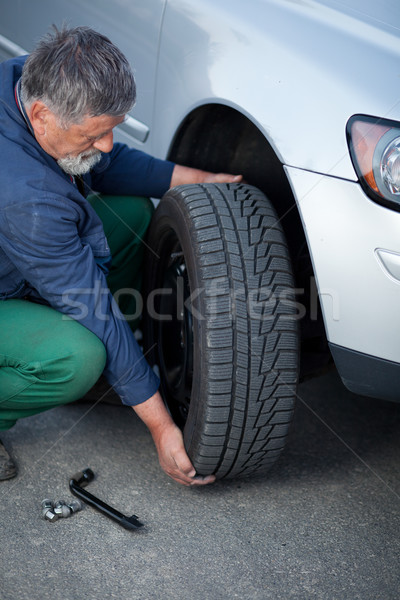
[{"x": 168, "y": 440}]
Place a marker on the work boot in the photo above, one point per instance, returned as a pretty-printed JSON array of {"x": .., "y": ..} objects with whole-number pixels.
[{"x": 7, "y": 465}]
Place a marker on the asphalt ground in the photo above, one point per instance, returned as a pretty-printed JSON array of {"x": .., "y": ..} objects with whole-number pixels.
[{"x": 324, "y": 524}]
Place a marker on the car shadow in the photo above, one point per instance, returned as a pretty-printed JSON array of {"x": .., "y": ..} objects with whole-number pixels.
[{"x": 334, "y": 432}]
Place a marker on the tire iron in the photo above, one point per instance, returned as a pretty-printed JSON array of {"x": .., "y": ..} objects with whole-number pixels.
[{"x": 77, "y": 484}]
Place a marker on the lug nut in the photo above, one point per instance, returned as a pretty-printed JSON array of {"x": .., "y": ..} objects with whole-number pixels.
[
  {"x": 75, "y": 506},
  {"x": 47, "y": 511},
  {"x": 51, "y": 511},
  {"x": 61, "y": 509}
]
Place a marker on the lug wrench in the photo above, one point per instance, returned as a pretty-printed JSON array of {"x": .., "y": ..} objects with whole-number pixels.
[{"x": 77, "y": 484}]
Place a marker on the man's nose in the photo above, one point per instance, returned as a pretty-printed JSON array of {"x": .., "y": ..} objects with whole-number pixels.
[{"x": 105, "y": 144}]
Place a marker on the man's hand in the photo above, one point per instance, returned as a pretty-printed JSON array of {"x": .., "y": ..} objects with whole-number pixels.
[
  {"x": 174, "y": 460},
  {"x": 183, "y": 175},
  {"x": 169, "y": 442}
]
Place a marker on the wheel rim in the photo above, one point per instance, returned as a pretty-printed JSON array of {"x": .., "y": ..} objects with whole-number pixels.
[{"x": 175, "y": 331}]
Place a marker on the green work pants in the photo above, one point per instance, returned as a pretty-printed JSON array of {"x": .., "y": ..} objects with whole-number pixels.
[{"x": 47, "y": 359}]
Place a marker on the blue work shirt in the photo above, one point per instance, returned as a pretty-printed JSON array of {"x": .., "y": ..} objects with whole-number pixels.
[{"x": 52, "y": 244}]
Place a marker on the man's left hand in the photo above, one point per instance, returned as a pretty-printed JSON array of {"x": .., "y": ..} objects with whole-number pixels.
[{"x": 184, "y": 175}]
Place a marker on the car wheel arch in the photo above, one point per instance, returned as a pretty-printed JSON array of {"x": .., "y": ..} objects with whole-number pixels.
[{"x": 220, "y": 138}]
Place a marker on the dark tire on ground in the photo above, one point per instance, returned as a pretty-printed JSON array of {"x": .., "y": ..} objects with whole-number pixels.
[{"x": 220, "y": 324}]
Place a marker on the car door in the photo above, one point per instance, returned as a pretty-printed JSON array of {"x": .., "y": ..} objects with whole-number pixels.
[{"x": 133, "y": 25}]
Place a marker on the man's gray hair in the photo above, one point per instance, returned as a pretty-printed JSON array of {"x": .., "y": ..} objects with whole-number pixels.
[{"x": 78, "y": 73}]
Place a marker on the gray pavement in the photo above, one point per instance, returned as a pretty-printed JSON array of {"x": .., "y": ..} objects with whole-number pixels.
[{"x": 324, "y": 524}]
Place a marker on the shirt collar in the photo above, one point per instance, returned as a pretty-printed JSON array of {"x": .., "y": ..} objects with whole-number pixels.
[{"x": 17, "y": 93}]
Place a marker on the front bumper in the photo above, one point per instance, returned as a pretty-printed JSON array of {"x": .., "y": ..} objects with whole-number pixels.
[
  {"x": 367, "y": 375},
  {"x": 360, "y": 295}
]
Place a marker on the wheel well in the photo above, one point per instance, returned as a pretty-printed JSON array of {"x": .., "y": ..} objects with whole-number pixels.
[{"x": 218, "y": 138}]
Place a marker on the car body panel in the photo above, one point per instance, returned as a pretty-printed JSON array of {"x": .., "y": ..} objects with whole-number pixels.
[
  {"x": 344, "y": 231},
  {"x": 281, "y": 63}
]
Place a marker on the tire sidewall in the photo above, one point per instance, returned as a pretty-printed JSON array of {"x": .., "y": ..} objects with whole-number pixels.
[{"x": 172, "y": 214}]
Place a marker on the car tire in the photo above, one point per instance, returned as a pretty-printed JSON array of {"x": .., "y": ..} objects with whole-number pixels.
[{"x": 220, "y": 325}]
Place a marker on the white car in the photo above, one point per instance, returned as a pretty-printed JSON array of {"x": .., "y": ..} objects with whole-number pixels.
[{"x": 303, "y": 99}]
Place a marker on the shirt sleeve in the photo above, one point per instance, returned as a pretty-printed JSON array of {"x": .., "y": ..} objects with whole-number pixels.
[
  {"x": 130, "y": 172},
  {"x": 41, "y": 239}
]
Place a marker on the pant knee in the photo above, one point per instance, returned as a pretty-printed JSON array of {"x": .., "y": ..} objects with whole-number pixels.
[
  {"x": 45, "y": 360},
  {"x": 32, "y": 389},
  {"x": 85, "y": 364},
  {"x": 59, "y": 379}
]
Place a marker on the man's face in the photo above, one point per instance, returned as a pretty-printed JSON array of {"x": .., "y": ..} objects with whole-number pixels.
[{"x": 78, "y": 148}]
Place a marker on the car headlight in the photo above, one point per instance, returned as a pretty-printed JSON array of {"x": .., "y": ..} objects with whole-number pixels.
[{"x": 374, "y": 146}]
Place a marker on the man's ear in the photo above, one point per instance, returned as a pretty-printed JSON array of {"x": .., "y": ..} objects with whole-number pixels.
[{"x": 39, "y": 114}]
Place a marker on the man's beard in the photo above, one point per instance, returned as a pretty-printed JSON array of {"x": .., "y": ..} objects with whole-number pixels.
[{"x": 78, "y": 165}]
